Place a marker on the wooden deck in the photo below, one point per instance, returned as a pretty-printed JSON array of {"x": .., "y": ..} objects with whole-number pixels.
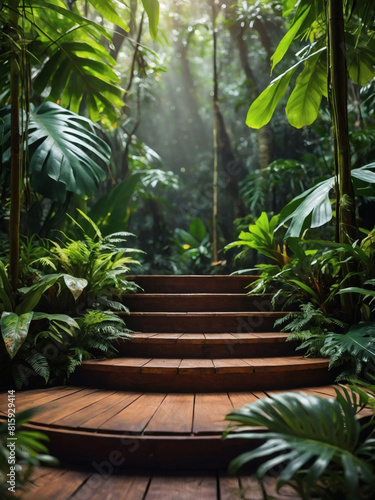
[
  {"x": 159, "y": 408},
  {"x": 66, "y": 484}
]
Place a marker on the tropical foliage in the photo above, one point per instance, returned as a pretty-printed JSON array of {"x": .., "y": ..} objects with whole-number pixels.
[
  {"x": 324, "y": 449},
  {"x": 30, "y": 452},
  {"x": 61, "y": 318}
]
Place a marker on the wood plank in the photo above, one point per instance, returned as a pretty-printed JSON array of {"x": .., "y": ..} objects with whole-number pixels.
[
  {"x": 116, "y": 403},
  {"x": 234, "y": 365},
  {"x": 40, "y": 477},
  {"x": 132, "y": 364},
  {"x": 229, "y": 488},
  {"x": 221, "y": 337},
  {"x": 183, "y": 488},
  {"x": 109, "y": 399},
  {"x": 291, "y": 363},
  {"x": 51, "y": 412},
  {"x": 61, "y": 487},
  {"x": 135, "y": 417},
  {"x": 210, "y": 411},
  {"x": 252, "y": 490},
  {"x": 160, "y": 365},
  {"x": 165, "y": 337},
  {"x": 192, "y": 338},
  {"x": 239, "y": 399},
  {"x": 174, "y": 415},
  {"x": 101, "y": 487},
  {"x": 38, "y": 397},
  {"x": 190, "y": 366}
]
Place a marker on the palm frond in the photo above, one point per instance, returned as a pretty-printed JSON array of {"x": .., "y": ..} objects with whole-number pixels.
[{"x": 312, "y": 436}]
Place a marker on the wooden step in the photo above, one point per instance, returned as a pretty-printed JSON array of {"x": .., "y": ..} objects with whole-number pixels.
[
  {"x": 98, "y": 483},
  {"x": 204, "y": 375},
  {"x": 178, "y": 302},
  {"x": 117, "y": 430},
  {"x": 203, "y": 322},
  {"x": 209, "y": 345},
  {"x": 193, "y": 283}
]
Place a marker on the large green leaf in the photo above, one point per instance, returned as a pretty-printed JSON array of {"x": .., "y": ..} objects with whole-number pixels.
[
  {"x": 310, "y": 434},
  {"x": 358, "y": 342},
  {"x": 33, "y": 294},
  {"x": 313, "y": 207},
  {"x": 14, "y": 330},
  {"x": 65, "y": 153},
  {"x": 304, "y": 102},
  {"x": 262, "y": 109},
  {"x": 152, "y": 10},
  {"x": 291, "y": 34},
  {"x": 108, "y": 9},
  {"x": 310, "y": 209},
  {"x": 111, "y": 211}
]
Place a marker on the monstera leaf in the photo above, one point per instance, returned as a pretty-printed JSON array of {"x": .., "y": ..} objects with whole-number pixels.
[{"x": 65, "y": 153}]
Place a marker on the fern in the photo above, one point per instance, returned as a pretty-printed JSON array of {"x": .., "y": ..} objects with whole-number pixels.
[{"x": 39, "y": 364}]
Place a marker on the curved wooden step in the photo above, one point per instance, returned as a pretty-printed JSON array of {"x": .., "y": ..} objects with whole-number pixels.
[
  {"x": 209, "y": 345},
  {"x": 113, "y": 430},
  {"x": 202, "y": 322},
  {"x": 193, "y": 283},
  {"x": 204, "y": 375},
  {"x": 178, "y": 302}
]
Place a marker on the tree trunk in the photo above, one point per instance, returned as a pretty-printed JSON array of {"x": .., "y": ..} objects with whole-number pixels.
[
  {"x": 215, "y": 139},
  {"x": 339, "y": 92},
  {"x": 346, "y": 229},
  {"x": 15, "y": 180}
]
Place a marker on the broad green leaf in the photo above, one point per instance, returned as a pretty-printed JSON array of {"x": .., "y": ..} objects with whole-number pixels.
[
  {"x": 361, "y": 66},
  {"x": 33, "y": 294},
  {"x": 108, "y": 9},
  {"x": 262, "y": 109},
  {"x": 359, "y": 342},
  {"x": 197, "y": 229},
  {"x": 111, "y": 211},
  {"x": 324, "y": 434},
  {"x": 64, "y": 318},
  {"x": 65, "y": 153},
  {"x": 306, "y": 288},
  {"x": 288, "y": 38},
  {"x": 186, "y": 238},
  {"x": 313, "y": 207},
  {"x": 304, "y": 102},
  {"x": 314, "y": 202},
  {"x": 75, "y": 285},
  {"x": 14, "y": 330},
  {"x": 152, "y": 10}
]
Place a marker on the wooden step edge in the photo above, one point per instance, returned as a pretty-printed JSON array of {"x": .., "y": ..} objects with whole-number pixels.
[
  {"x": 190, "y": 365},
  {"x": 207, "y": 338}
]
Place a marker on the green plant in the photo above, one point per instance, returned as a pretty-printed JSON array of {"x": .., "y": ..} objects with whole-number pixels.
[
  {"x": 324, "y": 449},
  {"x": 102, "y": 261},
  {"x": 261, "y": 237},
  {"x": 29, "y": 453},
  {"x": 194, "y": 245},
  {"x": 99, "y": 332},
  {"x": 354, "y": 350}
]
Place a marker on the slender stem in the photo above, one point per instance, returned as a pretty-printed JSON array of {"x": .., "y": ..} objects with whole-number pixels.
[
  {"x": 15, "y": 163},
  {"x": 215, "y": 139}
]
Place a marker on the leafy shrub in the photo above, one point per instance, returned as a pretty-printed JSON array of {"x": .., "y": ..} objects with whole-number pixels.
[{"x": 324, "y": 449}]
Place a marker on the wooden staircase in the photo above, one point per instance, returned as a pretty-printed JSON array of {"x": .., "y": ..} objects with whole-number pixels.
[{"x": 202, "y": 348}]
